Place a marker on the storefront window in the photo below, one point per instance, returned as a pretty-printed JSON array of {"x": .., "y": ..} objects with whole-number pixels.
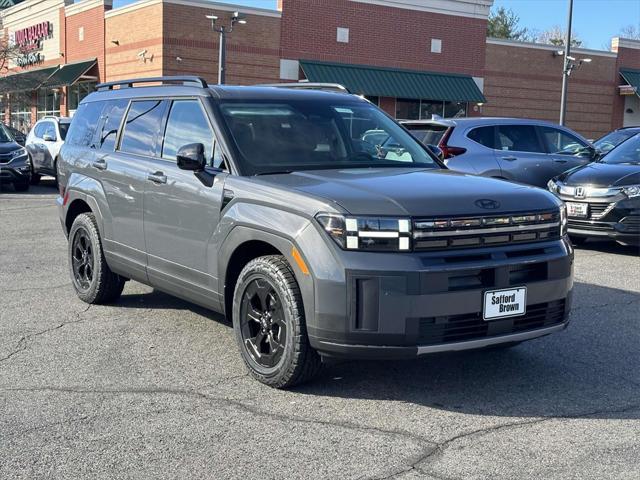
[
  {"x": 455, "y": 109},
  {"x": 20, "y": 109},
  {"x": 49, "y": 102},
  {"x": 407, "y": 109},
  {"x": 429, "y": 108},
  {"x": 77, "y": 92}
]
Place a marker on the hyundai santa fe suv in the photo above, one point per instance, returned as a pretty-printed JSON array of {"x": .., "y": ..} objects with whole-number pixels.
[
  {"x": 278, "y": 208},
  {"x": 527, "y": 151}
]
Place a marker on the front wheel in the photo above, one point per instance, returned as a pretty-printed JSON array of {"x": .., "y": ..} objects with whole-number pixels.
[
  {"x": 92, "y": 279},
  {"x": 269, "y": 324}
]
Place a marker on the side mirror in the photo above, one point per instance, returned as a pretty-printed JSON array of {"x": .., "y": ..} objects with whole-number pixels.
[
  {"x": 48, "y": 138},
  {"x": 191, "y": 157},
  {"x": 436, "y": 150}
]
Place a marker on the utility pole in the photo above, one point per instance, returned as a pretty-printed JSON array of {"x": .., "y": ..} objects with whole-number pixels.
[
  {"x": 222, "y": 31},
  {"x": 566, "y": 71}
]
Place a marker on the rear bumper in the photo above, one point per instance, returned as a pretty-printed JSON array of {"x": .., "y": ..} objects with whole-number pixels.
[{"x": 439, "y": 308}]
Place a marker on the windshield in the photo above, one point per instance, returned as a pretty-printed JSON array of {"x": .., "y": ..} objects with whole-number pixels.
[
  {"x": 299, "y": 135},
  {"x": 611, "y": 140},
  {"x": 427, "y": 134},
  {"x": 5, "y": 136},
  {"x": 627, "y": 152}
]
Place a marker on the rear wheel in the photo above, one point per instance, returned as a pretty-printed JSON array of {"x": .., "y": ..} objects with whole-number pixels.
[
  {"x": 92, "y": 279},
  {"x": 21, "y": 186},
  {"x": 269, "y": 323}
]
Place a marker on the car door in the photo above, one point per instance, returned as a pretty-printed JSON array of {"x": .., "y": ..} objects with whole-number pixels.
[
  {"x": 35, "y": 145},
  {"x": 566, "y": 150},
  {"x": 182, "y": 209},
  {"x": 49, "y": 146},
  {"x": 121, "y": 165},
  {"x": 521, "y": 155}
]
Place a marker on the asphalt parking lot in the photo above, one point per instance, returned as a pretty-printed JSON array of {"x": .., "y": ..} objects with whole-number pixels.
[{"x": 154, "y": 387}]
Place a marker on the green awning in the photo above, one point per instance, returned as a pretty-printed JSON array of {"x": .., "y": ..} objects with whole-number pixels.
[
  {"x": 69, "y": 74},
  {"x": 632, "y": 77},
  {"x": 26, "y": 81},
  {"x": 393, "y": 82}
]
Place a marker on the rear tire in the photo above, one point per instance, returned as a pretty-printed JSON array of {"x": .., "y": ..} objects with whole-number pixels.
[
  {"x": 577, "y": 240},
  {"x": 91, "y": 277},
  {"x": 269, "y": 323},
  {"x": 21, "y": 186}
]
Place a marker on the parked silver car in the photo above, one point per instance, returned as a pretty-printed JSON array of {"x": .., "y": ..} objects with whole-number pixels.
[
  {"x": 527, "y": 151},
  {"x": 44, "y": 143}
]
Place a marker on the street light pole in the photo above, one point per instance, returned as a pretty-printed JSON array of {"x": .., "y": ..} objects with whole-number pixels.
[
  {"x": 222, "y": 31},
  {"x": 566, "y": 71}
]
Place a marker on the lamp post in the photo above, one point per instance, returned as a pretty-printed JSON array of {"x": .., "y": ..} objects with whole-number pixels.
[
  {"x": 223, "y": 31},
  {"x": 565, "y": 70}
]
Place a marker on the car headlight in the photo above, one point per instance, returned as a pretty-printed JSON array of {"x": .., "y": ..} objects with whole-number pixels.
[
  {"x": 19, "y": 152},
  {"x": 563, "y": 220},
  {"x": 552, "y": 186},
  {"x": 631, "y": 191},
  {"x": 367, "y": 233}
]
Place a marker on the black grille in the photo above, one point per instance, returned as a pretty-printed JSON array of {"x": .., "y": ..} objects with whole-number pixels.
[
  {"x": 460, "y": 328},
  {"x": 495, "y": 230},
  {"x": 631, "y": 223},
  {"x": 5, "y": 157}
]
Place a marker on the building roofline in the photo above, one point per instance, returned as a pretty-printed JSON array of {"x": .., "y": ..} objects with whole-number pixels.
[
  {"x": 544, "y": 46},
  {"x": 617, "y": 42},
  {"x": 85, "y": 5},
  {"x": 460, "y": 8},
  {"x": 228, "y": 7}
]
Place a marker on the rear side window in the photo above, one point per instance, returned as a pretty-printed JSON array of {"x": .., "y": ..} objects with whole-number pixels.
[
  {"x": 187, "y": 123},
  {"x": 83, "y": 126},
  {"x": 518, "y": 138},
  {"x": 484, "y": 136},
  {"x": 49, "y": 130},
  {"x": 142, "y": 127},
  {"x": 558, "y": 141},
  {"x": 64, "y": 128},
  {"x": 428, "y": 134},
  {"x": 111, "y": 120}
]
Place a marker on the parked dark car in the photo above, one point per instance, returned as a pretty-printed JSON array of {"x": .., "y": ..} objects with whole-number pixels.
[
  {"x": 603, "y": 198},
  {"x": 19, "y": 137},
  {"x": 612, "y": 139},
  {"x": 14, "y": 162},
  {"x": 279, "y": 208},
  {"x": 526, "y": 151}
]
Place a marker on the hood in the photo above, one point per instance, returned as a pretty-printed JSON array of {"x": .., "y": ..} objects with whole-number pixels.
[
  {"x": 6, "y": 147},
  {"x": 602, "y": 175},
  {"x": 404, "y": 192}
]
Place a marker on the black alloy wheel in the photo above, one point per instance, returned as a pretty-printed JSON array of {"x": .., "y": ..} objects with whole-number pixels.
[
  {"x": 82, "y": 260},
  {"x": 263, "y": 326}
]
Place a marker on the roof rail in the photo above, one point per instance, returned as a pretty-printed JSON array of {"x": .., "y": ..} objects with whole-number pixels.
[
  {"x": 333, "y": 87},
  {"x": 185, "y": 80}
]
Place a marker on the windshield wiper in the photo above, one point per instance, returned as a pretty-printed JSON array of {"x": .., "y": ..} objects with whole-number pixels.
[{"x": 274, "y": 172}]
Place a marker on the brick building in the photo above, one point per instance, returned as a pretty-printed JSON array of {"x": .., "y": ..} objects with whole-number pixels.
[{"x": 414, "y": 58}]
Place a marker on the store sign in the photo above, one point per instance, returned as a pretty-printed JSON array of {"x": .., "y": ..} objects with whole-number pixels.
[{"x": 29, "y": 40}]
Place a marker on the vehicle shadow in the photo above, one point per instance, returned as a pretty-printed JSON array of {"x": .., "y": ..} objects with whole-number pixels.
[{"x": 46, "y": 186}]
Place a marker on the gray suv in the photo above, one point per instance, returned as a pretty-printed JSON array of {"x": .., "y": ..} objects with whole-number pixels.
[
  {"x": 527, "y": 151},
  {"x": 278, "y": 208}
]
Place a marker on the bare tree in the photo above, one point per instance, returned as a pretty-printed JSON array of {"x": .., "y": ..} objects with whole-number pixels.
[
  {"x": 556, "y": 35},
  {"x": 630, "y": 31},
  {"x": 9, "y": 52}
]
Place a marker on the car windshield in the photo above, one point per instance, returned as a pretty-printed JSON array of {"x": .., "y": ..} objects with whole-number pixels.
[
  {"x": 427, "y": 134},
  {"x": 626, "y": 152},
  {"x": 294, "y": 135},
  {"x": 64, "y": 128},
  {"x": 5, "y": 136},
  {"x": 611, "y": 140}
]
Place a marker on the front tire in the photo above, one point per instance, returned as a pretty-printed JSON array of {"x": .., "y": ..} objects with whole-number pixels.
[
  {"x": 92, "y": 279},
  {"x": 269, "y": 324}
]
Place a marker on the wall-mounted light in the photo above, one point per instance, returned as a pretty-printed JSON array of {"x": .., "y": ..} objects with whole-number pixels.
[
  {"x": 142, "y": 55},
  {"x": 115, "y": 42},
  {"x": 178, "y": 59}
]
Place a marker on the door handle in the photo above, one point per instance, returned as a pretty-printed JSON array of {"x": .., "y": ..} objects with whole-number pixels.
[
  {"x": 100, "y": 164},
  {"x": 157, "y": 177},
  {"x": 510, "y": 159},
  {"x": 559, "y": 160}
]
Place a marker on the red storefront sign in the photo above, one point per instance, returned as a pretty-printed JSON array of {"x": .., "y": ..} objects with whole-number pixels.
[{"x": 31, "y": 36}]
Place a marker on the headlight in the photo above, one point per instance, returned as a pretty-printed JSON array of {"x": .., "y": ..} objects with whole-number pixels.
[
  {"x": 552, "y": 186},
  {"x": 367, "y": 233},
  {"x": 563, "y": 220},
  {"x": 19, "y": 152},
  {"x": 632, "y": 191}
]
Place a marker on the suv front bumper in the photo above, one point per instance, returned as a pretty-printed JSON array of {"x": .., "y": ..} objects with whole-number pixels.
[
  {"x": 403, "y": 314},
  {"x": 17, "y": 170}
]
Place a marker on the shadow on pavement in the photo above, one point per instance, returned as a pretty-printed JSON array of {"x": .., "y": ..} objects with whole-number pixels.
[{"x": 603, "y": 246}]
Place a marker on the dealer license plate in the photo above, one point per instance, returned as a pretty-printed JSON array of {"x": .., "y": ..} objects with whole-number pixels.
[
  {"x": 577, "y": 209},
  {"x": 510, "y": 302}
]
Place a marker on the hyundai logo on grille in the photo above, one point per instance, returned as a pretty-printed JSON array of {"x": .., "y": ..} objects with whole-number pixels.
[{"x": 487, "y": 204}]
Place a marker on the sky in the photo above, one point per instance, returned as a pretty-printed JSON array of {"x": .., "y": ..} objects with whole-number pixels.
[{"x": 594, "y": 21}]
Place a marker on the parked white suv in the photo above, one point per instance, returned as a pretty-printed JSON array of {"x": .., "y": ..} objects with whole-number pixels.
[{"x": 43, "y": 145}]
